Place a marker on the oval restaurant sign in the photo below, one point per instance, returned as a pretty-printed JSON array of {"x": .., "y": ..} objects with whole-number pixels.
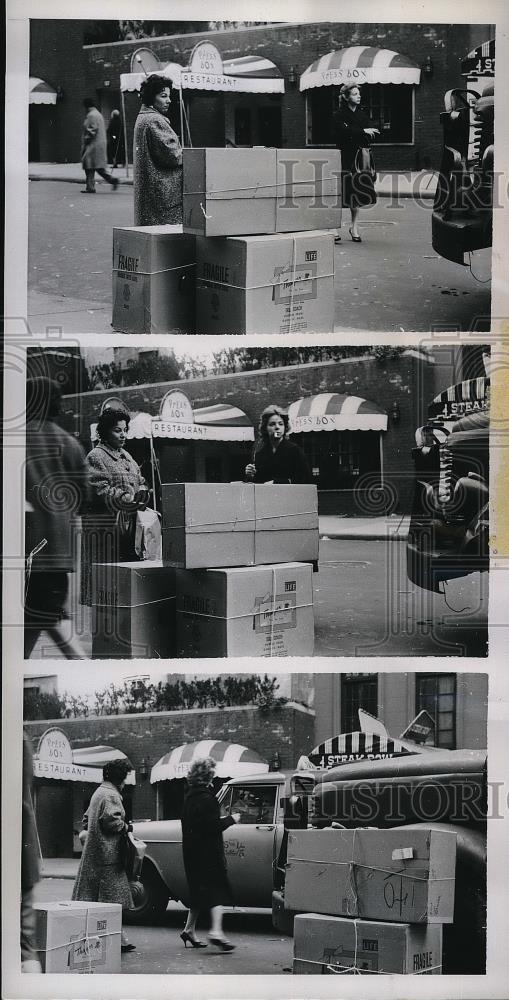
[
  {"x": 205, "y": 70},
  {"x": 54, "y": 758},
  {"x": 176, "y": 419}
]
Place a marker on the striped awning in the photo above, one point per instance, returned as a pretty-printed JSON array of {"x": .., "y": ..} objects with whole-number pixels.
[
  {"x": 360, "y": 64},
  {"x": 97, "y": 756},
  {"x": 232, "y": 760},
  {"x": 244, "y": 75},
  {"x": 332, "y": 411},
  {"x": 350, "y": 747},
  {"x": 219, "y": 422},
  {"x": 40, "y": 92},
  {"x": 480, "y": 60},
  {"x": 133, "y": 81},
  {"x": 470, "y": 396},
  {"x": 86, "y": 766}
]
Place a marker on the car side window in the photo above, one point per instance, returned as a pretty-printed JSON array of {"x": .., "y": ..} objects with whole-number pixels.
[{"x": 256, "y": 804}]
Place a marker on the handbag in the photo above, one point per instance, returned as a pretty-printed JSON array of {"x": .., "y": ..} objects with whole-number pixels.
[
  {"x": 132, "y": 853},
  {"x": 364, "y": 162},
  {"x": 147, "y": 541}
]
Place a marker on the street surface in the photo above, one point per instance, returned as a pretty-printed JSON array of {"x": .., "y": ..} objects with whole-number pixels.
[
  {"x": 159, "y": 950},
  {"x": 393, "y": 281},
  {"x": 365, "y": 605}
]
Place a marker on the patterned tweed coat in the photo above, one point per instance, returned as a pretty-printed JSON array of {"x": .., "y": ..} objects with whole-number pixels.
[
  {"x": 93, "y": 141},
  {"x": 157, "y": 171},
  {"x": 101, "y": 877}
]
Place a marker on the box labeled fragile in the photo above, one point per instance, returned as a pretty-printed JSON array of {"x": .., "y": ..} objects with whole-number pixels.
[
  {"x": 133, "y": 610},
  {"x": 229, "y": 192},
  {"x": 78, "y": 937},
  {"x": 324, "y": 944},
  {"x": 153, "y": 280},
  {"x": 245, "y": 611},
  {"x": 265, "y": 284},
  {"x": 399, "y": 875},
  {"x": 208, "y": 525}
]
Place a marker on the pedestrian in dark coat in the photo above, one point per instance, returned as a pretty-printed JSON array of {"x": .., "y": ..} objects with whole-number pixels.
[
  {"x": 115, "y": 140},
  {"x": 94, "y": 148},
  {"x": 278, "y": 460},
  {"x": 354, "y": 132},
  {"x": 157, "y": 159},
  {"x": 101, "y": 876},
  {"x": 204, "y": 858}
]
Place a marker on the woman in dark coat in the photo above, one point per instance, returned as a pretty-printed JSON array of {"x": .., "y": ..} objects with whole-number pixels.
[
  {"x": 157, "y": 159},
  {"x": 354, "y": 132},
  {"x": 204, "y": 859},
  {"x": 278, "y": 460},
  {"x": 101, "y": 876}
]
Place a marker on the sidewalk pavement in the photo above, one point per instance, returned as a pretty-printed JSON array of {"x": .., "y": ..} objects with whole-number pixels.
[
  {"x": 405, "y": 184},
  {"x": 59, "y": 867},
  {"x": 393, "y": 527}
]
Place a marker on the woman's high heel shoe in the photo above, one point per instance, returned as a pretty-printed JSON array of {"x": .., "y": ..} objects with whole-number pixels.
[
  {"x": 222, "y": 943},
  {"x": 186, "y": 936}
]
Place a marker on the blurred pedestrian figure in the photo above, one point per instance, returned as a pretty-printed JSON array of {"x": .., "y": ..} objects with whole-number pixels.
[
  {"x": 118, "y": 490},
  {"x": 204, "y": 858},
  {"x": 115, "y": 140},
  {"x": 94, "y": 148},
  {"x": 278, "y": 460},
  {"x": 29, "y": 866},
  {"x": 56, "y": 483},
  {"x": 101, "y": 876},
  {"x": 354, "y": 133},
  {"x": 157, "y": 158}
]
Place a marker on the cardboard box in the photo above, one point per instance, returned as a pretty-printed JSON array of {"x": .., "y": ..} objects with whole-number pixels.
[
  {"x": 404, "y": 876},
  {"x": 325, "y": 944},
  {"x": 133, "y": 610},
  {"x": 246, "y": 611},
  {"x": 153, "y": 280},
  {"x": 229, "y": 192},
  {"x": 208, "y": 525},
  {"x": 265, "y": 284},
  {"x": 78, "y": 937}
]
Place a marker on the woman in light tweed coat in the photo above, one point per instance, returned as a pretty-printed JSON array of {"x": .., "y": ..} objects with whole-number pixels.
[
  {"x": 118, "y": 491},
  {"x": 157, "y": 159},
  {"x": 101, "y": 875}
]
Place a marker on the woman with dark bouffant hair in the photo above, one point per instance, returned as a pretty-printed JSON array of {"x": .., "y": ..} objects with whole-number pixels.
[
  {"x": 204, "y": 859},
  {"x": 157, "y": 158},
  {"x": 118, "y": 490},
  {"x": 278, "y": 460},
  {"x": 101, "y": 876}
]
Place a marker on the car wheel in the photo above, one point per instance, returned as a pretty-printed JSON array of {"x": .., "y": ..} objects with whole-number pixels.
[{"x": 150, "y": 900}]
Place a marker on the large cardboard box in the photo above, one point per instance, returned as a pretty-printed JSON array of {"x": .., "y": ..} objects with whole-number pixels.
[
  {"x": 78, "y": 937},
  {"x": 245, "y": 611},
  {"x": 208, "y": 525},
  {"x": 153, "y": 280},
  {"x": 265, "y": 284},
  {"x": 324, "y": 944},
  {"x": 228, "y": 192},
  {"x": 405, "y": 876},
  {"x": 133, "y": 606}
]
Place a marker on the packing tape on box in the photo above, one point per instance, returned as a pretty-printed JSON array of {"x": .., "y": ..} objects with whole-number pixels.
[
  {"x": 338, "y": 969},
  {"x": 164, "y": 270},
  {"x": 85, "y": 944}
]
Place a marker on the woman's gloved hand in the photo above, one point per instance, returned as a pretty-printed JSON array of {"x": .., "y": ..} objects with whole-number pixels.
[{"x": 250, "y": 470}]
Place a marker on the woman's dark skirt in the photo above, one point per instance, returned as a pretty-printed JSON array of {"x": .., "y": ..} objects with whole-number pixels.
[{"x": 358, "y": 189}]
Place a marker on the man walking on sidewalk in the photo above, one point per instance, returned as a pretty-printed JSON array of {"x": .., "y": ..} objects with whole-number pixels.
[{"x": 94, "y": 148}]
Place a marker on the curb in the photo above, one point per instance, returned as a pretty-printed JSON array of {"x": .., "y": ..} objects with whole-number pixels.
[
  {"x": 363, "y": 536},
  {"x": 122, "y": 182}
]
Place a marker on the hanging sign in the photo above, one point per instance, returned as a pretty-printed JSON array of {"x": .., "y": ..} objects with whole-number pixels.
[
  {"x": 206, "y": 70},
  {"x": 176, "y": 408}
]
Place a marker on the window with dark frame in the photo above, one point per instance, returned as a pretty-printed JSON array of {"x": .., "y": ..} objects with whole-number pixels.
[
  {"x": 437, "y": 694},
  {"x": 357, "y": 691},
  {"x": 390, "y": 107}
]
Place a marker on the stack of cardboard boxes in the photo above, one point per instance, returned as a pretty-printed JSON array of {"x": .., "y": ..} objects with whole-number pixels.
[
  {"x": 254, "y": 254},
  {"x": 235, "y": 577},
  {"x": 375, "y": 900},
  {"x": 78, "y": 937}
]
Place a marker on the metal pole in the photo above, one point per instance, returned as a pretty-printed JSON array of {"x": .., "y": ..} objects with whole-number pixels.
[
  {"x": 381, "y": 460},
  {"x": 152, "y": 459},
  {"x": 125, "y": 135},
  {"x": 182, "y": 137}
]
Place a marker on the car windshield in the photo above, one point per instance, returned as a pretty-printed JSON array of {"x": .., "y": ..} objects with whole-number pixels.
[{"x": 255, "y": 803}]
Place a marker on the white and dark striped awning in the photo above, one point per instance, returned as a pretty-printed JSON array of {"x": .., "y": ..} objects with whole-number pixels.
[
  {"x": 332, "y": 411},
  {"x": 86, "y": 766},
  {"x": 232, "y": 760},
  {"x": 480, "y": 60},
  {"x": 40, "y": 92},
  {"x": 220, "y": 422},
  {"x": 470, "y": 396},
  {"x": 350, "y": 747},
  {"x": 133, "y": 81},
  {"x": 244, "y": 75},
  {"x": 360, "y": 64}
]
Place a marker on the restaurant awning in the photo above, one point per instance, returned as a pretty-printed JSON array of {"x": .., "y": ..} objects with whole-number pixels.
[
  {"x": 470, "y": 396},
  {"x": 232, "y": 760},
  {"x": 360, "y": 64},
  {"x": 346, "y": 747},
  {"x": 86, "y": 766},
  {"x": 40, "y": 92},
  {"x": 244, "y": 75},
  {"x": 332, "y": 411},
  {"x": 480, "y": 60},
  {"x": 219, "y": 422},
  {"x": 132, "y": 81}
]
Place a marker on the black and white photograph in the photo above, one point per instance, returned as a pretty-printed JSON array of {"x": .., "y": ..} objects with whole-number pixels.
[
  {"x": 244, "y": 795},
  {"x": 261, "y": 502}
]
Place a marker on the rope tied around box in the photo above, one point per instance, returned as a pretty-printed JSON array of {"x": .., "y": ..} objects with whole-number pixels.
[
  {"x": 144, "y": 274},
  {"x": 86, "y": 940}
]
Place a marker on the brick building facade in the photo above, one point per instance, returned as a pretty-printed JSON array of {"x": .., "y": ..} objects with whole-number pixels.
[{"x": 293, "y": 119}]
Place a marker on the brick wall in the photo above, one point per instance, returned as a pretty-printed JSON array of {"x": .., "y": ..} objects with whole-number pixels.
[
  {"x": 57, "y": 56},
  {"x": 408, "y": 380},
  {"x": 289, "y": 731}
]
